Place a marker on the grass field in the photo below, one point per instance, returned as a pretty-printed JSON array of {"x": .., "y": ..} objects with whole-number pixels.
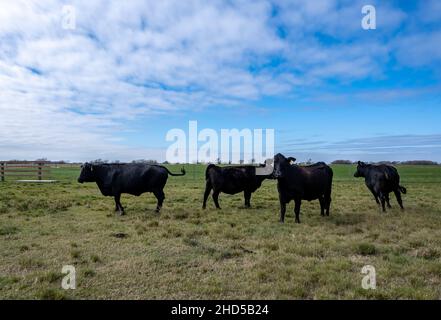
[{"x": 235, "y": 253}]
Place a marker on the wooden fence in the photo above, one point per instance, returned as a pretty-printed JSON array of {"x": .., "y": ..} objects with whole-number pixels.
[{"x": 29, "y": 170}]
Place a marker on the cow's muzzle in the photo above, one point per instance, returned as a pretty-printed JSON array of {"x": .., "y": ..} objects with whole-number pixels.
[{"x": 277, "y": 174}]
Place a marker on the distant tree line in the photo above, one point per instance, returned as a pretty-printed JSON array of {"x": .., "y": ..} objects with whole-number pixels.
[
  {"x": 420, "y": 162},
  {"x": 145, "y": 161},
  {"x": 410, "y": 162},
  {"x": 342, "y": 162}
]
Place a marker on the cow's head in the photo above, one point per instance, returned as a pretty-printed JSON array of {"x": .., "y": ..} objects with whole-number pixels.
[
  {"x": 360, "y": 169},
  {"x": 87, "y": 174},
  {"x": 280, "y": 164}
]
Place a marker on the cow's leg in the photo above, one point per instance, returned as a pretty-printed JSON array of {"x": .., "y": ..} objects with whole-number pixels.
[
  {"x": 322, "y": 206},
  {"x": 383, "y": 201},
  {"x": 118, "y": 205},
  {"x": 159, "y": 194},
  {"x": 247, "y": 196},
  {"x": 216, "y": 198},
  {"x": 282, "y": 210},
  {"x": 297, "y": 205},
  {"x": 328, "y": 202},
  {"x": 375, "y": 197},
  {"x": 207, "y": 193},
  {"x": 398, "y": 196},
  {"x": 387, "y": 200}
]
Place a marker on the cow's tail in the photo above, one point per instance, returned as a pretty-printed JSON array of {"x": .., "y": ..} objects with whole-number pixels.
[
  {"x": 176, "y": 174},
  {"x": 208, "y": 168},
  {"x": 402, "y": 189}
]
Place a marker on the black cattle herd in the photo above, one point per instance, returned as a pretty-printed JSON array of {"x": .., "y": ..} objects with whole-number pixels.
[{"x": 294, "y": 182}]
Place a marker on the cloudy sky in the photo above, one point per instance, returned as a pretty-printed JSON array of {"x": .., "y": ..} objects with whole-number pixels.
[{"x": 130, "y": 71}]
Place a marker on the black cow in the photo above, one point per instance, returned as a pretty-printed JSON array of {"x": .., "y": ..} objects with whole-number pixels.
[
  {"x": 232, "y": 180},
  {"x": 302, "y": 183},
  {"x": 381, "y": 180},
  {"x": 133, "y": 178}
]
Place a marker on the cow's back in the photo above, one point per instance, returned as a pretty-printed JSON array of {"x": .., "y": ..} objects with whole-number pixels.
[
  {"x": 318, "y": 180},
  {"x": 139, "y": 178},
  {"x": 382, "y": 178},
  {"x": 308, "y": 182},
  {"x": 232, "y": 180}
]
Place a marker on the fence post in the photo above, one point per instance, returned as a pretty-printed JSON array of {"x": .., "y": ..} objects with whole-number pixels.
[
  {"x": 2, "y": 171},
  {"x": 40, "y": 172}
]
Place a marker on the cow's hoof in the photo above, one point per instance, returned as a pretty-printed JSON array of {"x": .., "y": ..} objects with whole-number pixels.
[
  {"x": 121, "y": 213},
  {"x": 218, "y": 208},
  {"x": 281, "y": 221},
  {"x": 297, "y": 221},
  {"x": 204, "y": 207}
]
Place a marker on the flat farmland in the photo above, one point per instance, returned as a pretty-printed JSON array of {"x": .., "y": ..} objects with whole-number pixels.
[{"x": 233, "y": 253}]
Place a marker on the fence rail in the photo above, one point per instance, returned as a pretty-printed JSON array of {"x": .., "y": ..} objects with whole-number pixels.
[{"x": 30, "y": 169}]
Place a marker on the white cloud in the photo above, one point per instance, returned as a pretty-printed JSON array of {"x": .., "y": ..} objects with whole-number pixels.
[
  {"x": 70, "y": 90},
  {"x": 419, "y": 49},
  {"x": 387, "y": 148}
]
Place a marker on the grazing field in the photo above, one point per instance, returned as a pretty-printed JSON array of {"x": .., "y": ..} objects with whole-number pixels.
[{"x": 235, "y": 253}]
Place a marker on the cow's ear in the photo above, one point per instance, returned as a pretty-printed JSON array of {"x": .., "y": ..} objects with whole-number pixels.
[
  {"x": 359, "y": 163},
  {"x": 291, "y": 159}
]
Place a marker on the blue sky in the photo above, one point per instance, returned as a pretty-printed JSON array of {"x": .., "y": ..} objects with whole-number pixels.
[{"x": 131, "y": 70}]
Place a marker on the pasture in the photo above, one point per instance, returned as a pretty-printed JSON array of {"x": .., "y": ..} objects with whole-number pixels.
[{"x": 233, "y": 253}]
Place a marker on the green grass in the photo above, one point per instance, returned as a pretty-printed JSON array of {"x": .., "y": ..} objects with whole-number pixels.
[{"x": 236, "y": 253}]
